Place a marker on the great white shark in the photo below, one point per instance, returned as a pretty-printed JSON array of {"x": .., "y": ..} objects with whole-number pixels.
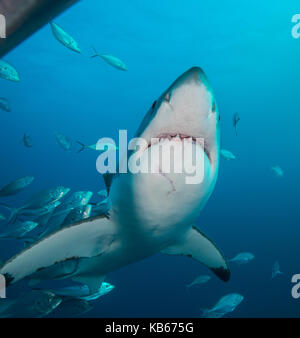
[{"x": 149, "y": 212}]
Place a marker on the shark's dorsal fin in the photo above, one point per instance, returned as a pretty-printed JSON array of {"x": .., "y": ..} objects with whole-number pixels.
[
  {"x": 93, "y": 282},
  {"x": 196, "y": 245}
]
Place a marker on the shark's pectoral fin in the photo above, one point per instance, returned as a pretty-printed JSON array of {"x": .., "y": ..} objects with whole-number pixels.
[
  {"x": 196, "y": 245},
  {"x": 64, "y": 253},
  {"x": 93, "y": 282}
]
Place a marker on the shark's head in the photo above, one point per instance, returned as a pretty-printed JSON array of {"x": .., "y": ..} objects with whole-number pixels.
[
  {"x": 184, "y": 114},
  {"x": 188, "y": 108}
]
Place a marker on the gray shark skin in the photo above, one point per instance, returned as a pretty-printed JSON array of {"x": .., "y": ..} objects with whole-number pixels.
[{"x": 149, "y": 212}]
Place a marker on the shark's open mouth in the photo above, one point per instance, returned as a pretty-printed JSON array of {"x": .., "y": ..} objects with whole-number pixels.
[{"x": 179, "y": 137}]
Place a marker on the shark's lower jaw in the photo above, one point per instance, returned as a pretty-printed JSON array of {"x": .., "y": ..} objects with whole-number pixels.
[{"x": 168, "y": 190}]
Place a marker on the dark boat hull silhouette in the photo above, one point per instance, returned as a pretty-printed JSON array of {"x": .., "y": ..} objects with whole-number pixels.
[{"x": 24, "y": 17}]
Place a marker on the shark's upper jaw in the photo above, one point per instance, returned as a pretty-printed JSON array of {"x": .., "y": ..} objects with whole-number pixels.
[
  {"x": 187, "y": 109},
  {"x": 180, "y": 138}
]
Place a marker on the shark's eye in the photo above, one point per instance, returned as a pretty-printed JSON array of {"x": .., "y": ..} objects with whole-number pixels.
[
  {"x": 168, "y": 97},
  {"x": 154, "y": 104},
  {"x": 213, "y": 108}
]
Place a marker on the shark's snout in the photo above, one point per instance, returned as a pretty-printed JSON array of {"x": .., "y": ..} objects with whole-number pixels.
[{"x": 194, "y": 75}]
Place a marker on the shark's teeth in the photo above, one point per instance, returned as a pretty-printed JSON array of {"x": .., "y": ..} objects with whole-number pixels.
[{"x": 179, "y": 137}]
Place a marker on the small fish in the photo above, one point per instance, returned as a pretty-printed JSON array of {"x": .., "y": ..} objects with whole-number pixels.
[
  {"x": 16, "y": 186},
  {"x": 111, "y": 60},
  {"x": 2, "y": 218},
  {"x": 103, "y": 193},
  {"x": 224, "y": 306},
  {"x": 101, "y": 208},
  {"x": 276, "y": 270},
  {"x": 64, "y": 38},
  {"x": 27, "y": 141},
  {"x": 199, "y": 280},
  {"x": 97, "y": 147},
  {"x": 43, "y": 220},
  {"x": 40, "y": 203},
  {"x": 77, "y": 215},
  {"x": 242, "y": 258},
  {"x": 63, "y": 141},
  {"x": 74, "y": 307},
  {"x": 83, "y": 292},
  {"x": 46, "y": 197},
  {"x": 19, "y": 230},
  {"x": 235, "y": 121},
  {"x": 43, "y": 210},
  {"x": 25, "y": 211},
  {"x": 277, "y": 171},
  {"x": 71, "y": 208},
  {"x": 228, "y": 155},
  {"x": 8, "y": 72},
  {"x": 76, "y": 200},
  {"x": 4, "y": 104},
  {"x": 35, "y": 304}
]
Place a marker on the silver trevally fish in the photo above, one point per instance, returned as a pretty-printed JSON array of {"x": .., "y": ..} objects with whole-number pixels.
[
  {"x": 235, "y": 120},
  {"x": 19, "y": 230},
  {"x": 96, "y": 147},
  {"x": 64, "y": 38},
  {"x": 111, "y": 60},
  {"x": 74, "y": 307},
  {"x": 74, "y": 207},
  {"x": 16, "y": 186},
  {"x": 224, "y": 306},
  {"x": 77, "y": 214},
  {"x": 35, "y": 304},
  {"x": 31, "y": 212},
  {"x": 46, "y": 197},
  {"x": 36, "y": 212},
  {"x": 83, "y": 292},
  {"x": 277, "y": 170},
  {"x": 4, "y": 104},
  {"x": 40, "y": 203},
  {"x": 64, "y": 141},
  {"x": 149, "y": 212},
  {"x": 43, "y": 220},
  {"x": 276, "y": 270},
  {"x": 227, "y": 154},
  {"x": 242, "y": 258},
  {"x": 27, "y": 141},
  {"x": 199, "y": 280},
  {"x": 102, "y": 207},
  {"x": 8, "y": 72},
  {"x": 102, "y": 193},
  {"x": 77, "y": 199}
]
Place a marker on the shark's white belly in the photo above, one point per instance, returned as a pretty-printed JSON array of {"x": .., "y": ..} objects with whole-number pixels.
[{"x": 158, "y": 207}]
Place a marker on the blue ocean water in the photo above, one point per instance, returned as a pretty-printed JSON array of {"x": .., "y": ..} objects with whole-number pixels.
[{"x": 249, "y": 55}]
